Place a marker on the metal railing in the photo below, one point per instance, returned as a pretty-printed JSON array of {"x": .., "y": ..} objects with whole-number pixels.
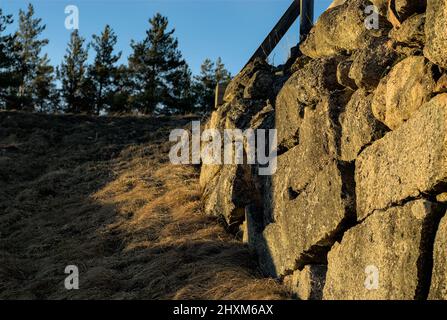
[{"x": 303, "y": 8}]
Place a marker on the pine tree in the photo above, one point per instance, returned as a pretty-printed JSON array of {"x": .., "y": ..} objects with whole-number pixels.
[
  {"x": 122, "y": 97},
  {"x": 205, "y": 85},
  {"x": 210, "y": 75},
  {"x": 223, "y": 76},
  {"x": 33, "y": 70},
  {"x": 9, "y": 81},
  {"x": 103, "y": 71},
  {"x": 156, "y": 65},
  {"x": 72, "y": 74},
  {"x": 183, "y": 96},
  {"x": 45, "y": 95}
]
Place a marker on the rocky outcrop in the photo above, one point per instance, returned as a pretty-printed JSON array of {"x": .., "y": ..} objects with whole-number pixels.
[
  {"x": 359, "y": 128},
  {"x": 436, "y": 37},
  {"x": 353, "y": 210},
  {"x": 407, "y": 163},
  {"x": 307, "y": 284},
  {"x": 399, "y": 97},
  {"x": 438, "y": 289},
  {"x": 385, "y": 257},
  {"x": 340, "y": 29}
]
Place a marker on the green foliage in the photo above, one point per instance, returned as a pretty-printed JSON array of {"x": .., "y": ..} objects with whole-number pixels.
[
  {"x": 103, "y": 71},
  {"x": 9, "y": 82},
  {"x": 73, "y": 76},
  {"x": 210, "y": 75},
  {"x": 157, "y": 66},
  {"x": 34, "y": 73},
  {"x": 156, "y": 80}
]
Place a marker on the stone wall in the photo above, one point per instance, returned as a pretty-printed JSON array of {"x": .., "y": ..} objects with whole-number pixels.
[{"x": 356, "y": 207}]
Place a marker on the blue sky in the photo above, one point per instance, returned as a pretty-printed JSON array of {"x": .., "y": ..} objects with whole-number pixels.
[{"x": 231, "y": 29}]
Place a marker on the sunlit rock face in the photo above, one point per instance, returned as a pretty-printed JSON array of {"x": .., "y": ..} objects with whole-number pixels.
[{"x": 356, "y": 208}]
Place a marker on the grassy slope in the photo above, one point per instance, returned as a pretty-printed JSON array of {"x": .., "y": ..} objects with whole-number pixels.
[{"x": 100, "y": 193}]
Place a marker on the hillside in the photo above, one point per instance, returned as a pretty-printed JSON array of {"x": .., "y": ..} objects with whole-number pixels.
[{"x": 100, "y": 193}]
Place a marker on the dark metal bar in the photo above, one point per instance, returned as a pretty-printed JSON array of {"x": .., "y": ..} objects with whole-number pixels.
[
  {"x": 280, "y": 29},
  {"x": 307, "y": 18}
]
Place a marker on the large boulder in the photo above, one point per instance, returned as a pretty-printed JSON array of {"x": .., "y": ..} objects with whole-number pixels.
[
  {"x": 404, "y": 91},
  {"x": 255, "y": 70},
  {"x": 340, "y": 29},
  {"x": 436, "y": 37},
  {"x": 403, "y": 9},
  {"x": 358, "y": 125},
  {"x": 406, "y": 163},
  {"x": 386, "y": 256},
  {"x": 260, "y": 86},
  {"x": 319, "y": 134},
  {"x": 311, "y": 220},
  {"x": 306, "y": 87},
  {"x": 227, "y": 194},
  {"x": 438, "y": 289},
  {"x": 307, "y": 284},
  {"x": 369, "y": 65},
  {"x": 410, "y": 36}
]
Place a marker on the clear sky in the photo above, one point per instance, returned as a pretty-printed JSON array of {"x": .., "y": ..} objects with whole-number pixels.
[{"x": 231, "y": 29}]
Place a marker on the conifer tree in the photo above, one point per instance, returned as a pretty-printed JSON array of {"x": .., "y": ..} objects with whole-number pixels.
[
  {"x": 210, "y": 75},
  {"x": 9, "y": 81},
  {"x": 156, "y": 65},
  {"x": 45, "y": 96},
  {"x": 30, "y": 64},
  {"x": 103, "y": 70},
  {"x": 222, "y": 75},
  {"x": 123, "y": 87},
  {"x": 72, "y": 74},
  {"x": 183, "y": 95}
]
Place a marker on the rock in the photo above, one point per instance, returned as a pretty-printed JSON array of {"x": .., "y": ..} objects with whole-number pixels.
[
  {"x": 441, "y": 84},
  {"x": 442, "y": 198},
  {"x": 369, "y": 65},
  {"x": 386, "y": 257},
  {"x": 209, "y": 171},
  {"x": 308, "y": 283},
  {"x": 237, "y": 86},
  {"x": 343, "y": 78},
  {"x": 299, "y": 63},
  {"x": 406, "y": 163},
  {"x": 239, "y": 113},
  {"x": 227, "y": 194},
  {"x": 304, "y": 88},
  {"x": 359, "y": 127},
  {"x": 438, "y": 289},
  {"x": 336, "y": 3},
  {"x": 254, "y": 226},
  {"x": 318, "y": 78},
  {"x": 319, "y": 134},
  {"x": 404, "y": 91},
  {"x": 340, "y": 29},
  {"x": 411, "y": 33},
  {"x": 404, "y": 9},
  {"x": 311, "y": 219},
  {"x": 260, "y": 86},
  {"x": 436, "y": 37},
  {"x": 382, "y": 6}
]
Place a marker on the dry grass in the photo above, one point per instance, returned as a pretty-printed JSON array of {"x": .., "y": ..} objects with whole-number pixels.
[{"x": 101, "y": 194}]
